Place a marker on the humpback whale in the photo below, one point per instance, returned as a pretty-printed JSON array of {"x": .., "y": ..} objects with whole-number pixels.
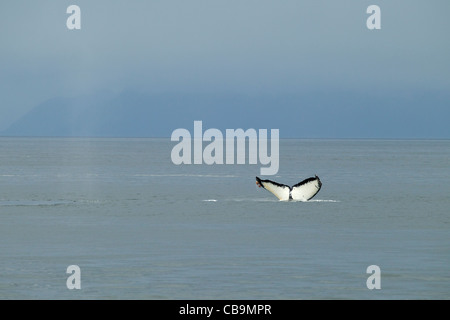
[{"x": 302, "y": 191}]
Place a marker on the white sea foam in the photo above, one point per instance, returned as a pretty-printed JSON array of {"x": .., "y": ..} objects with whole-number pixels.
[
  {"x": 322, "y": 200},
  {"x": 30, "y": 203},
  {"x": 188, "y": 175}
]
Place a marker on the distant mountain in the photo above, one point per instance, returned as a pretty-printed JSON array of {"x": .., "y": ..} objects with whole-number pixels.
[
  {"x": 315, "y": 115},
  {"x": 133, "y": 114}
]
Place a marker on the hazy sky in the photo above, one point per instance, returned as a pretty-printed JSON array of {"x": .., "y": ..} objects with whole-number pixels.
[{"x": 220, "y": 46}]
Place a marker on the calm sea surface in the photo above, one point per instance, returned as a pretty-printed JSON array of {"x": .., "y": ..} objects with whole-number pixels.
[{"x": 140, "y": 227}]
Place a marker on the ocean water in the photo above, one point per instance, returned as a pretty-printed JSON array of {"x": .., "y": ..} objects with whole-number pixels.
[{"x": 140, "y": 227}]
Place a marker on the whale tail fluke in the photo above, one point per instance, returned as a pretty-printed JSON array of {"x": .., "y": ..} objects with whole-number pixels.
[{"x": 302, "y": 191}]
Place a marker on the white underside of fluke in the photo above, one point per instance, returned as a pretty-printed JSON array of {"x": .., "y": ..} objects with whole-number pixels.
[{"x": 302, "y": 191}]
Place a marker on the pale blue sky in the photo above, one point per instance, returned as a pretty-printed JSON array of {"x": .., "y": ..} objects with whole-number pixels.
[{"x": 255, "y": 47}]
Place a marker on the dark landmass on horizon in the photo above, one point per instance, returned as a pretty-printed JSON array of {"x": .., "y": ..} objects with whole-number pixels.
[{"x": 314, "y": 115}]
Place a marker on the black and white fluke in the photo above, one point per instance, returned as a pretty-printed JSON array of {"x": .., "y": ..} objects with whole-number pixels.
[{"x": 302, "y": 191}]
